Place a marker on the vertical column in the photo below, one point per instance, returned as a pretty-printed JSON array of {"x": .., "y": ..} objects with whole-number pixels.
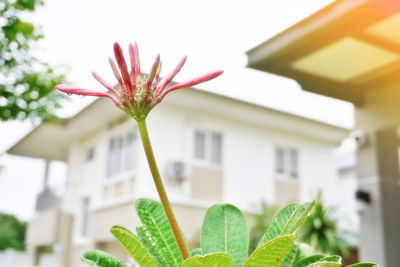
[
  {"x": 70, "y": 206},
  {"x": 389, "y": 173},
  {"x": 36, "y": 255},
  {"x": 46, "y": 175},
  {"x": 66, "y": 222},
  {"x": 378, "y": 173}
]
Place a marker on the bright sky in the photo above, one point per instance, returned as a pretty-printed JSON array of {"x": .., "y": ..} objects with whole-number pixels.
[{"x": 214, "y": 34}]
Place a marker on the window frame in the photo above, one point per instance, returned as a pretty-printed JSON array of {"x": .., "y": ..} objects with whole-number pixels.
[
  {"x": 90, "y": 154},
  {"x": 122, "y": 169},
  {"x": 290, "y": 168},
  {"x": 208, "y": 148}
]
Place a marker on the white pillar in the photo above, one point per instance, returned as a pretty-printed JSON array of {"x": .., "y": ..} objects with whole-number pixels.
[{"x": 378, "y": 173}]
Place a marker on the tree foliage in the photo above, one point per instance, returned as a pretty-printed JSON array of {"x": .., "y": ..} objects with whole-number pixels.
[
  {"x": 12, "y": 232},
  {"x": 321, "y": 231},
  {"x": 26, "y": 82}
]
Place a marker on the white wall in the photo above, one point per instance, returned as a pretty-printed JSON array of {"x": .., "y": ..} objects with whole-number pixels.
[{"x": 248, "y": 158}]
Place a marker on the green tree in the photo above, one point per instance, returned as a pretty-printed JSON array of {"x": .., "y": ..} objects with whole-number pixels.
[
  {"x": 12, "y": 232},
  {"x": 26, "y": 82},
  {"x": 321, "y": 232}
]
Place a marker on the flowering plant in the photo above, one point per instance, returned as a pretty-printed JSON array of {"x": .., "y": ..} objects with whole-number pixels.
[
  {"x": 224, "y": 235},
  {"x": 138, "y": 93}
]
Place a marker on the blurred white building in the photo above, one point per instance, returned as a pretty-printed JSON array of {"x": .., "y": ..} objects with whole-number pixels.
[{"x": 210, "y": 148}]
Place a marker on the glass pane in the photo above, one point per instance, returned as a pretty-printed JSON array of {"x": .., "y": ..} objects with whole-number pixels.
[
  {"x": 90, "y": 154},
  {"x": 279, "y": 160},
  {"x": 216, "y": 148},
  {"x": 129, "y": 151},
  {"x": 294, "y": 164},
  {"x": 199, "y": 145},
  {"x": 114, "y": 156},
  {"x": 111, "y": 149},
  {"x": 118, "y": 155},
  {"x": 85, "y": 216}
]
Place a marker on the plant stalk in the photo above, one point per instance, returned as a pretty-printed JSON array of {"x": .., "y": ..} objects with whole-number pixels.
[{"x": 160, "y": 188}]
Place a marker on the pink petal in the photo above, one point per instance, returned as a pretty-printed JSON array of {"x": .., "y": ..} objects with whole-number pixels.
[
  {"x": 194, "y": 81},
  {"x": 116, "y": 73},
  {"x": 104, "y": 83},
  {"x": 153, "y": 72},
  {"x": 132, "y": 59},
  {"x": 70, "y": 89},
  {"x": 119, "y": 56},
  {"x": 137, "y": 61},
  {"x": 169, "y": 78},
  {"x": 158, "y": 73}
]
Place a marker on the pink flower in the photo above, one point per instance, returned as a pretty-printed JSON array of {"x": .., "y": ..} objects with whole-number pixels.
[{"x": 137, "y": 94}]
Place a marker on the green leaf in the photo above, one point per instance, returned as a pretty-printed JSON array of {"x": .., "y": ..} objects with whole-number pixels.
[
  {"x": 145, "y": 239},
  {"x": 156, "y": 224},
  {"x": 300, "y": 217},
  {"x": 133, "y": 246},
  {"x": 320, "y": 261},
  {"x": 334, "y": 258},
  {"x": 288, "y": 221},
  {"x": 225, "y": 230},
  {"x": 98, "y": 258},
  {"x": 309, "y": 260},
  {"x": 292, "y": 256},
  {"x": 272, "y": 253},
  {"x": 211, "y": 260},
  {"x": 25, "y": 28},
  {"x": 325, "y": 264},
  {"x": 196, "y": 252},
  {"x": 275, "y": 229},
  {"x": 26, "y": 4},
  {"x": 364, "y": 264}
]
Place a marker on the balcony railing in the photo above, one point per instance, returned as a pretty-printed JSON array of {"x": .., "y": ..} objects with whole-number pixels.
[{"x": 49, "y": 222}]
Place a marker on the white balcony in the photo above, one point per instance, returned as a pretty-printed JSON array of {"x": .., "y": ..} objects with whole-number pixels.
[{"x": 190, "y": 217}]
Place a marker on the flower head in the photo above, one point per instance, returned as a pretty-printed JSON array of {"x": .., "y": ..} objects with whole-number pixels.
[{"x": 138, "y": 93}]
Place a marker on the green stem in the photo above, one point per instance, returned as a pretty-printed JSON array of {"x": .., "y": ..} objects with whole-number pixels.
[{"x": 160, "y": 188}]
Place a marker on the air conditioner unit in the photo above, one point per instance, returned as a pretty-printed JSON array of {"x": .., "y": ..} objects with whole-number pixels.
[{"x": 177, "y": 171}]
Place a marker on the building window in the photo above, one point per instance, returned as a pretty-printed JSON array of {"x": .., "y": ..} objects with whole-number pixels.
[
  {"x": 199, "y": 145},
  {"x": 294, "y": 163},
  {"x": 90, "y": 154},
  {"x": 279, "y": 160},
  {"x": 216, "y": 148},
  {"x": 208, "y": 146},
  {"x": 128, "y": 151},
  {"x": 85, "y": 216},
  {"x": 287, "y": 162},
  {"x": 346, "y": 171},
  {"x": 122, "y": 153}
]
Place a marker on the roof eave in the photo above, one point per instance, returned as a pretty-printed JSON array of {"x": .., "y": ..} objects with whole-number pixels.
[
  {"x": 315, "y": 32},
  {"x": 277, "y": 45}
]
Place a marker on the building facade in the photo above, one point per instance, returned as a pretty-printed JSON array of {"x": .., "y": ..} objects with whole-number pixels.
[
  {"x": 210, "y": 149},
  {"x": 360, "y": 63}
]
